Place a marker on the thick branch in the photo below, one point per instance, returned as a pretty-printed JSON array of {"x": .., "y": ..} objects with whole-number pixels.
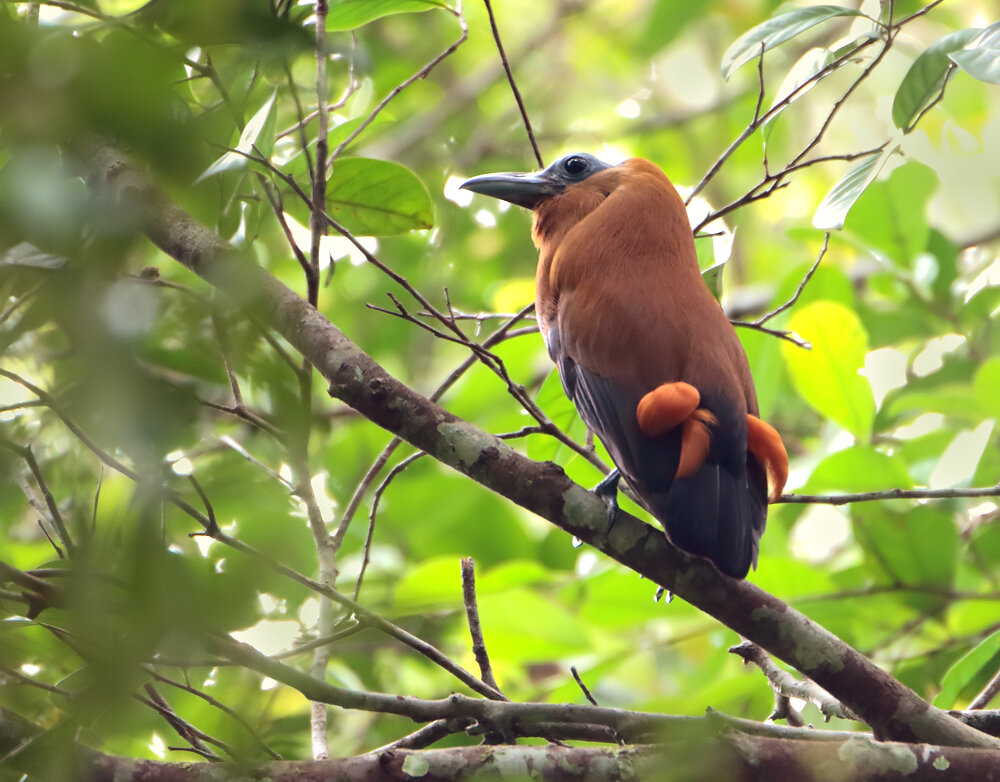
[
  {"x": 893, "y": 710},
  {"x": 736, "y": 758}
]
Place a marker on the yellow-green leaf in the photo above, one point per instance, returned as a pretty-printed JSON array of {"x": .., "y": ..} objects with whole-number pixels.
[{"x": 827, "y": 376}]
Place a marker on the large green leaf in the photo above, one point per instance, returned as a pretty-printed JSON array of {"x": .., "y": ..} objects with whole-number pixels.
[
  {"x": 917, "y": 546},
  {"x": 832, "y": 210},
  {"x": 981, "y": 58},
  {"x": 350, "y": 14},
  {"x": 962, "y": 672},
  {"x": 378, "y": 198},
  {"x": 926, "y": 77},
  {"x": 777, "y": 30},
  {"x": 859, "y": 468},
  {"x": 827, "y": 376},
  {"x": 891, "y": 215},
  {"x": 987, "y": 385}
]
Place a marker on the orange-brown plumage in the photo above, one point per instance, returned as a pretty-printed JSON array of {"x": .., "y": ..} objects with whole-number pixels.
[{"x": 646, "y": 353}]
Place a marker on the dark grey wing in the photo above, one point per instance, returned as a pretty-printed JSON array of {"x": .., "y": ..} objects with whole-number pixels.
[{"x": 608, "y": 408}]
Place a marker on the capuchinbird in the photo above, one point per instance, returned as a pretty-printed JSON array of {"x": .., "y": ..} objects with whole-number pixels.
[{"x": 646, "y": 353}]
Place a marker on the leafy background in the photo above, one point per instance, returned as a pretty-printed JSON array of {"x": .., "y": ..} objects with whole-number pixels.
[{"x": 898, "y": 390}]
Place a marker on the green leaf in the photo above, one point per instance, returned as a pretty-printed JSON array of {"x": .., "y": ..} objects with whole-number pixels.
[
  {"x": 555, "y": 632},
  {"x": 963, "y": 672},
  {"x": 987, "y": 386},
  {"x": 260, "y": 127},
  {"x": 916, "y": 546},
  {"x": 926, "y": 78},
  {"x": 777, "y": 30},
  {"x": 833, "y": 209},
  {"x": 859, "y": 468},
  {"x": 981, "y": 58},
  {"x": 891, "y": 215},
  {"x": 713, "y": 279},
  {"x": 351, "y": 14},
  {"x": 827, "y": 376},
  {"x": 378, "y": 198}
]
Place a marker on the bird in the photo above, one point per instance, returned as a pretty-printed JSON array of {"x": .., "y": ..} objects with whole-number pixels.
[{"x": 646, "y": 353}]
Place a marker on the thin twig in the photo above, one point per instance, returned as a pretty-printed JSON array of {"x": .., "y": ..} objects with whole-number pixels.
[
  {"x": 987, "y": 694},
  {"x": 513, "y": 84},
  {"x": 371, "y": 474},
  {"x": 421, "y": 74},
  {"x": 232, "y": 713},
  {"x": 583, "y": 687},
  {"x": 475, "y": 628},
  {"x": 788, "y": 685},
  {"x": 890, "y": 494},
  {"x": 376, "y": 499}
]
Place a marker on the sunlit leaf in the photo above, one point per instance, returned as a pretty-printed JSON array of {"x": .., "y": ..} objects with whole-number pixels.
[
  {"x": 965, "y": 670},
  {"x": 378, "y": 197},
  {"x": 350, "y": 14},
  {"x": 981, "y": 58},
  {"x": 827, "y": 376},
  {"x": 260, "y": 127},
  {"x": 833, "y": 209},
  {"x": 713, "y": 279},
  {"x": 987, "y": 386},
  {"x": 926, "y": 77},
  {"x": 776, "y": 31}
]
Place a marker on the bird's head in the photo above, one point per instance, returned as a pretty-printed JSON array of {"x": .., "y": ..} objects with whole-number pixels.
[{"x": 530, "y": 190}]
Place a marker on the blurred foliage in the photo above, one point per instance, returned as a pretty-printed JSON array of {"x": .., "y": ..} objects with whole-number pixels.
[{"x": 898, "y": 391}]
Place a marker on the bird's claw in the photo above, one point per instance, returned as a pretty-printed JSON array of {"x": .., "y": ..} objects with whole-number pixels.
[{"x": 607, "y": 490}]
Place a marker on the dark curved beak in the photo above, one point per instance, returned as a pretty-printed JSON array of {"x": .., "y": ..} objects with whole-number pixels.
[{"x": 527, "y": 190}]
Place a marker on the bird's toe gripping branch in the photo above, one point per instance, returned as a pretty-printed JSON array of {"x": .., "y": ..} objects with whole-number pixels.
[{"x": 607, "y": 490}]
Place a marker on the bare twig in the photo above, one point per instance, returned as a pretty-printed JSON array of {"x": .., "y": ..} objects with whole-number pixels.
[
  {"x": 583, "y": 687},
  {"x": 376, "y": 499},
  {"x": 501, "y": 333},
  {"x": 890, "y": 494},
  {"x": 421, "y": 74},
  {"x": 51, "y": 509},
  {"x": 987, "y": 694},
  {"x": 232, "y": 713},
  {"x": 801, "y": 286},
  {"x": 513, "y": 84},
  {"x": 475, "y": 628},
  {"x": 787, "y": 685}
]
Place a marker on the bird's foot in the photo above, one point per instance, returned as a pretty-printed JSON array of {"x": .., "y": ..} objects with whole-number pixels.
[{"x": 607, "y": 490}]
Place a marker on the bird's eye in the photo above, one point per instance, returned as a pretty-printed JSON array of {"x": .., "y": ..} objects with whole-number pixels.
[{"x": 575, "y": 165}]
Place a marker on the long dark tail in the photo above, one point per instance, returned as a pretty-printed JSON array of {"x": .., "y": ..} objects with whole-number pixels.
[{"x": 718, "y": 514}]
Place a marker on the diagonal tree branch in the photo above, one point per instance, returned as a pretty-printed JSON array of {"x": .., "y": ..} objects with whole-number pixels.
[{"x": 893, "y": 710}]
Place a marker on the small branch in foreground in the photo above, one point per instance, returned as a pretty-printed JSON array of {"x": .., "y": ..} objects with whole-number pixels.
[{"x": 785, "y": 684}]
